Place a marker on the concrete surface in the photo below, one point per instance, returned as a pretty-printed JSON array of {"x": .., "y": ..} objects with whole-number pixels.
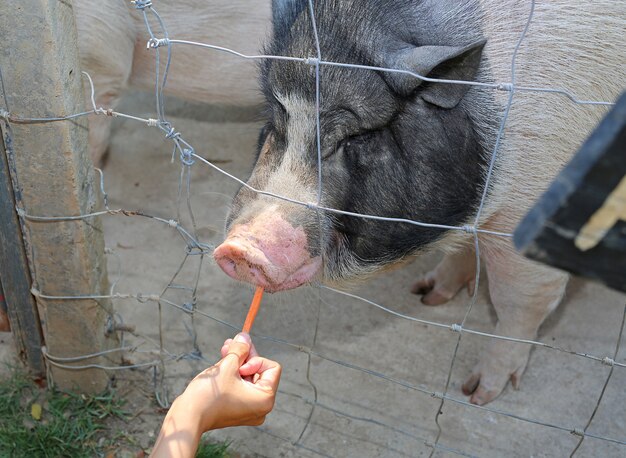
[
  {"x": 558, "y": 388},
  {"x": 358, "y": 414},
  {"x": 51, "y": 164}
]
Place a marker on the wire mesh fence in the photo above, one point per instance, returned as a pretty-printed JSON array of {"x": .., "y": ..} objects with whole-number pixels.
[{"x": 184, "y": 295}]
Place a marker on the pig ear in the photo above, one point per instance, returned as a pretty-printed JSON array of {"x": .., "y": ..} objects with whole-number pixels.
[{"x": 443, "y": 62}]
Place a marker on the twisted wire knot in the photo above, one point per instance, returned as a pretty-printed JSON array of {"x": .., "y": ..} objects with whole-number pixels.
[
  {"x": 150, "y": 297},
  {"x": 172, "y": 134},
  {"x": 312, "y": 61},
  {"x": 469, "y": 229},
  {"x": 608, "y": 361},
  {"x": 157, "y": 42},
  {"x": 142, "y": 4},
  {"x": 198, "y": 249},
  {"x": 188, "y": 307},
  {"x": 186, "y": 156},
  {"x": 577, "y": 432}
]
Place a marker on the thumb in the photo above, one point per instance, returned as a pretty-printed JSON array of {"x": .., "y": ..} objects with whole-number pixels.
[{"x": 240, "y": 347}]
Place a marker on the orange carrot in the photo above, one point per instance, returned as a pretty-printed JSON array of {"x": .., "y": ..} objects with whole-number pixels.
[{"x": 254, "y": 308}]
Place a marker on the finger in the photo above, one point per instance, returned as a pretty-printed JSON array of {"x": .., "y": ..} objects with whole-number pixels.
[
  {"x": 266, "y": 372},
  {"x": 243, "y": 337},
  {"x": 239, "y": 348},
  {"x": 253, "y": 352},
  {"x": 224, "y": 350},
  {"x": 256, "y": 365},
  {"x": 269, "y": 379}
]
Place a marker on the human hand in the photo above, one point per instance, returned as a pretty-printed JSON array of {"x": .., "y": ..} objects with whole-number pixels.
[{"x": 237, "y": 391}]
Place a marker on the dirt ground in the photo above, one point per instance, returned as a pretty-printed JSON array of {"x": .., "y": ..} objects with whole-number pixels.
[{"x": 357, "y": 414}]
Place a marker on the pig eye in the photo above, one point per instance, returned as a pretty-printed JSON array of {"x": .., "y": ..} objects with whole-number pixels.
[
  {"x": 349, "y": 143},
  {"x": 338, "y": 149}
]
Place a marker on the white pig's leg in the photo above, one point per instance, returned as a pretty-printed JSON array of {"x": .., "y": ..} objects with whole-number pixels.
[
  {"x": 100, "y": 128},
  {"x": 106, "y": 42},
  {"x": 455, "y": 271},
  {"x": 523, "y": 294}
]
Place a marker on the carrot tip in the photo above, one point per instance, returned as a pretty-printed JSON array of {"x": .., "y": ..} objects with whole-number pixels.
[{"x": 254, "y": 309}]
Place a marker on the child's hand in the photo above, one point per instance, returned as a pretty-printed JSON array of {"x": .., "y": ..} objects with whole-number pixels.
[
  {"x": 242, "y": 387},
  {"x": 237, "y": 391}
]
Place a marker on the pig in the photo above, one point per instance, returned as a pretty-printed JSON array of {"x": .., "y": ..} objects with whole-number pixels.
[
  {"x": 112, "y": 38},
  {"x": 395, "y": 146}
]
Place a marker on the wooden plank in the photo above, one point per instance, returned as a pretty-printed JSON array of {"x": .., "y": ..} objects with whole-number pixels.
[
  {"x": 5, "y": 326},
  {"x": 579, "y": 224},
  {"x": 14, "y": 272},
  {"x": 52, "y": 175}
]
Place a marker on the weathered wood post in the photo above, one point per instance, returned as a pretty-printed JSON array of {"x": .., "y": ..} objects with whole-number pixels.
[
  {"x": 52, "y": 175},
  {"x": 15, "y": 274}
]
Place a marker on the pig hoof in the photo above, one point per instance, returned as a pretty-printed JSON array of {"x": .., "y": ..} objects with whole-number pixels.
[
  {"x": 453, "y": 273},
  {"x": 471, "y": 384},
  {"x": 431, "y": 293},
  {"x": 479, "y": 394},
  {"x": 515, "y": 380},
  {"x": 482, "y": 396},
  {"x": 500, "y": 365}
]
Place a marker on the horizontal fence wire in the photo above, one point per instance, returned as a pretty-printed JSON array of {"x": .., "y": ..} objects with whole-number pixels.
[{"x": 194, "y": 247}]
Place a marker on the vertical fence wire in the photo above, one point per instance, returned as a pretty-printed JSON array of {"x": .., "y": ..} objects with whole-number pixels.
[
  {"x": 492, "y": 162},
  {"x": 604, "y": 386},
  {"x": 318, "y": 145}
]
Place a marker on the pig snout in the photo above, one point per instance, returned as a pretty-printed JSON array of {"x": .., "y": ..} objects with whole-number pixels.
[{"x": 269, "y": 252}]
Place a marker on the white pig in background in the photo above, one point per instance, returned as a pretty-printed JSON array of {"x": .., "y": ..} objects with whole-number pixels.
[
  {"x": 112, "y": 39},
  {"x": 394, "y": 146}
]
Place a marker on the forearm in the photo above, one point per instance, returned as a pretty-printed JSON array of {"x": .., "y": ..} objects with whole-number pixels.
[{"x": 180, "y": 433}]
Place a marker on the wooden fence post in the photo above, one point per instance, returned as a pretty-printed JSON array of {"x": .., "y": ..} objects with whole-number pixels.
[
  {"x": 52, "y": 175},
  {"x": 15, "y": 274}
]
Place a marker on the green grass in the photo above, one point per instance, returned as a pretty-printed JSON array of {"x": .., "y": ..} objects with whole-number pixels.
[
  {"x": 208, "y": 449},
  {"x": 71, "y": 425}
]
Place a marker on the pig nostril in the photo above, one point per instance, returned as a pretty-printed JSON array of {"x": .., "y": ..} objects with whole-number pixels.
[{"x": 241, "y": 268}]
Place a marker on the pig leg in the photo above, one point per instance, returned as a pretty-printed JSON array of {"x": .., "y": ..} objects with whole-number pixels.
[
  {"x": 455, "y": 271},
  {"x": 523, "y": 294},
  {"x": 106, "y": 48},
  {"x": 109, "y": 85},
  {"x": 100, "y": 130}
]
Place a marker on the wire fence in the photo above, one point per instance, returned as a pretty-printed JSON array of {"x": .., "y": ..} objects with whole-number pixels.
[{"x": 156, "y": 358}]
